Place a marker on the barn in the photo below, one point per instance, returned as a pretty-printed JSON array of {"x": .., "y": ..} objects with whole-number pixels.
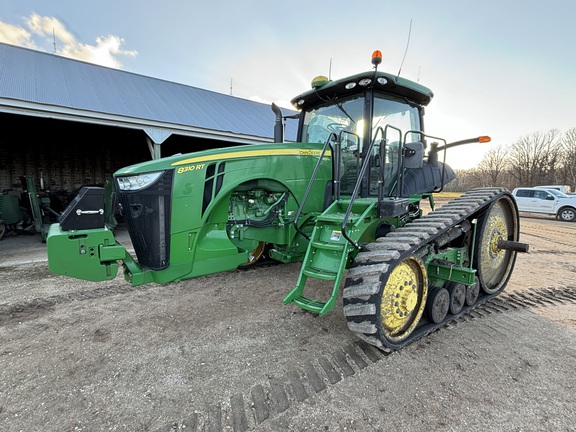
[{"x": 66, "y": 123}]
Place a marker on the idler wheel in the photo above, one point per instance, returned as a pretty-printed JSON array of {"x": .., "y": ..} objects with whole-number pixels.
[{"x": 494, "y": 264}]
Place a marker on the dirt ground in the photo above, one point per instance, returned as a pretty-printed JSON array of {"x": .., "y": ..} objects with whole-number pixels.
[{"x": 222, "y": 352}]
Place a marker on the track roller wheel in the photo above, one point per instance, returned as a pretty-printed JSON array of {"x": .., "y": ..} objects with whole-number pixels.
[
  {"x": 457, "y": 297},
  {"x": 472, "y": 292},
  {"x": 494, "y": 264},
  {"x": 438, "y": 305},
  {"x": 402, "y": 299}
]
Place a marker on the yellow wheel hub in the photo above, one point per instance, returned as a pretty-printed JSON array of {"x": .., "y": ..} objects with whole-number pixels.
[
  {"x": 403, "y": 299},
  {"x": 410, "y": 301},
  {"x": 496, "y": 231}
]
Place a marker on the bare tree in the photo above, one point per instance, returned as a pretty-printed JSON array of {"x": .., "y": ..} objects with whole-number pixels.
[
  {"x": 534, "y": 158},
  {"x": 568, "y": 149},
  {"x": 491, "y": 167},
  {"x": 537, "y": 158},
  {"x": 465, "y": 180}
]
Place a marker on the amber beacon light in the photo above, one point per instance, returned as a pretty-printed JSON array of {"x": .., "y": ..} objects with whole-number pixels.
[{"x": 376, "y": 57}]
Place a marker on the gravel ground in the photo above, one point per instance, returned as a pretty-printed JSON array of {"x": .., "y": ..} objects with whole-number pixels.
[{"x": 222, "y": 352}]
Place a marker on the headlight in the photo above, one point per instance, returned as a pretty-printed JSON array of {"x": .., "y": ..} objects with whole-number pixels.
[{"x": 137, "y": 182}]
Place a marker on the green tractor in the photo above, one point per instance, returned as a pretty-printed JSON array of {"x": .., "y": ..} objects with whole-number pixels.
[{"x": 344, "y": 199}]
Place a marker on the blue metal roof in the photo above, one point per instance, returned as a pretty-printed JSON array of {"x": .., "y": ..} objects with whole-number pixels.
[{"x": 44, "y": 84}]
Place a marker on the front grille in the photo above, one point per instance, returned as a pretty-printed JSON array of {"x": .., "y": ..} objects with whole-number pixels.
[{"x": 147, "y": 215}]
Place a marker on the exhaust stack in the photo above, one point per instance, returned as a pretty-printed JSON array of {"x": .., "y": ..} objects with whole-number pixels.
[{"x": 278, "y": 125}]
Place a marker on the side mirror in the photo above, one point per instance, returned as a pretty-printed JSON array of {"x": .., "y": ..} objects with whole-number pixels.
[{"x": 413, "y": 155}]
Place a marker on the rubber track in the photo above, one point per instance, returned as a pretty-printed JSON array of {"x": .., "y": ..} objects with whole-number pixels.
[{"x": 370, "y": 267}]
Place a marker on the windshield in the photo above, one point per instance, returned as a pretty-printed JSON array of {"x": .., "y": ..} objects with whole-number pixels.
[
  {"x": 557, "y": 193},
  {"x": 321, "y": 121},
  {"x": 348, "y": 115}
]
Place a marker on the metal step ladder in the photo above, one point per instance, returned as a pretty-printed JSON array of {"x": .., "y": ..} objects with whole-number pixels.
[{"x": 327, "y": 256}]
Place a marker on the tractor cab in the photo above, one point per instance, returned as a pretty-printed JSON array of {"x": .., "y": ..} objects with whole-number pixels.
[
  {"x": 346, "y": 122},
  {"x": 372, "y": 119}
]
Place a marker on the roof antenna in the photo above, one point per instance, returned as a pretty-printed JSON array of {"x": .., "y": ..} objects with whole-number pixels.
[
  {"x": 230, "y": 86},
  {"x": 330, "y": 71},
  {"x": 54, "y": 41},
  {"x": 406, "y": 50}
]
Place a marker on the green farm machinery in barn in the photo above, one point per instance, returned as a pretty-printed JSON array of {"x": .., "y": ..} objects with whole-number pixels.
[{"x": 344, "y": 199}]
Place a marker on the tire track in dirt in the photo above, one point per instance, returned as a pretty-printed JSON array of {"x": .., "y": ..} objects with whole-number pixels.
[{"x": 267, "y": 400}]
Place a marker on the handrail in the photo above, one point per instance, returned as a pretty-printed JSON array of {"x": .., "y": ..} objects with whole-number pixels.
[
  {"x": 337, "y": 161},
  {"x": 309, "y": 187},
  {"x": 354, "y": 195},
  {"x": 365, "y": 164},
  {"x": 381, "y": 155}
]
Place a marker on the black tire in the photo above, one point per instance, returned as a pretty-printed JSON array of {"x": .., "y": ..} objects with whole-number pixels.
[{"x": 567, "y": 214}]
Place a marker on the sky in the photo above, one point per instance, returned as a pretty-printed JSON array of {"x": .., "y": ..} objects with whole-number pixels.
[{"x": 502, "y": 68}]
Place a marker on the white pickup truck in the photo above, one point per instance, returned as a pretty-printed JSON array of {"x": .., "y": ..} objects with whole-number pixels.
[{"x": 547, "y": 201}]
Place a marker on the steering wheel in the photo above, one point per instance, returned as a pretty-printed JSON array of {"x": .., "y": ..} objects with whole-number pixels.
[{"x": 334, "y": 127}]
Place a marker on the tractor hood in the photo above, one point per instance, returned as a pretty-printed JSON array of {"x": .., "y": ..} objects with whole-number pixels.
[{"x": 190, "y": 160}]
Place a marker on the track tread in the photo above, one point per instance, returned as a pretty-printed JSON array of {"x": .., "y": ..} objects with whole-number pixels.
[{"x": 363, "y": 281}]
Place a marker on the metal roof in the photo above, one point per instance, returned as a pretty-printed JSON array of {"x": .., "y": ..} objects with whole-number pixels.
[{"x": 42, "y": 84}]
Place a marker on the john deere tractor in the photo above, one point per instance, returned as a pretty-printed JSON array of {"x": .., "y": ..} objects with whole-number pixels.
[{"x": 344, "y": 199}]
